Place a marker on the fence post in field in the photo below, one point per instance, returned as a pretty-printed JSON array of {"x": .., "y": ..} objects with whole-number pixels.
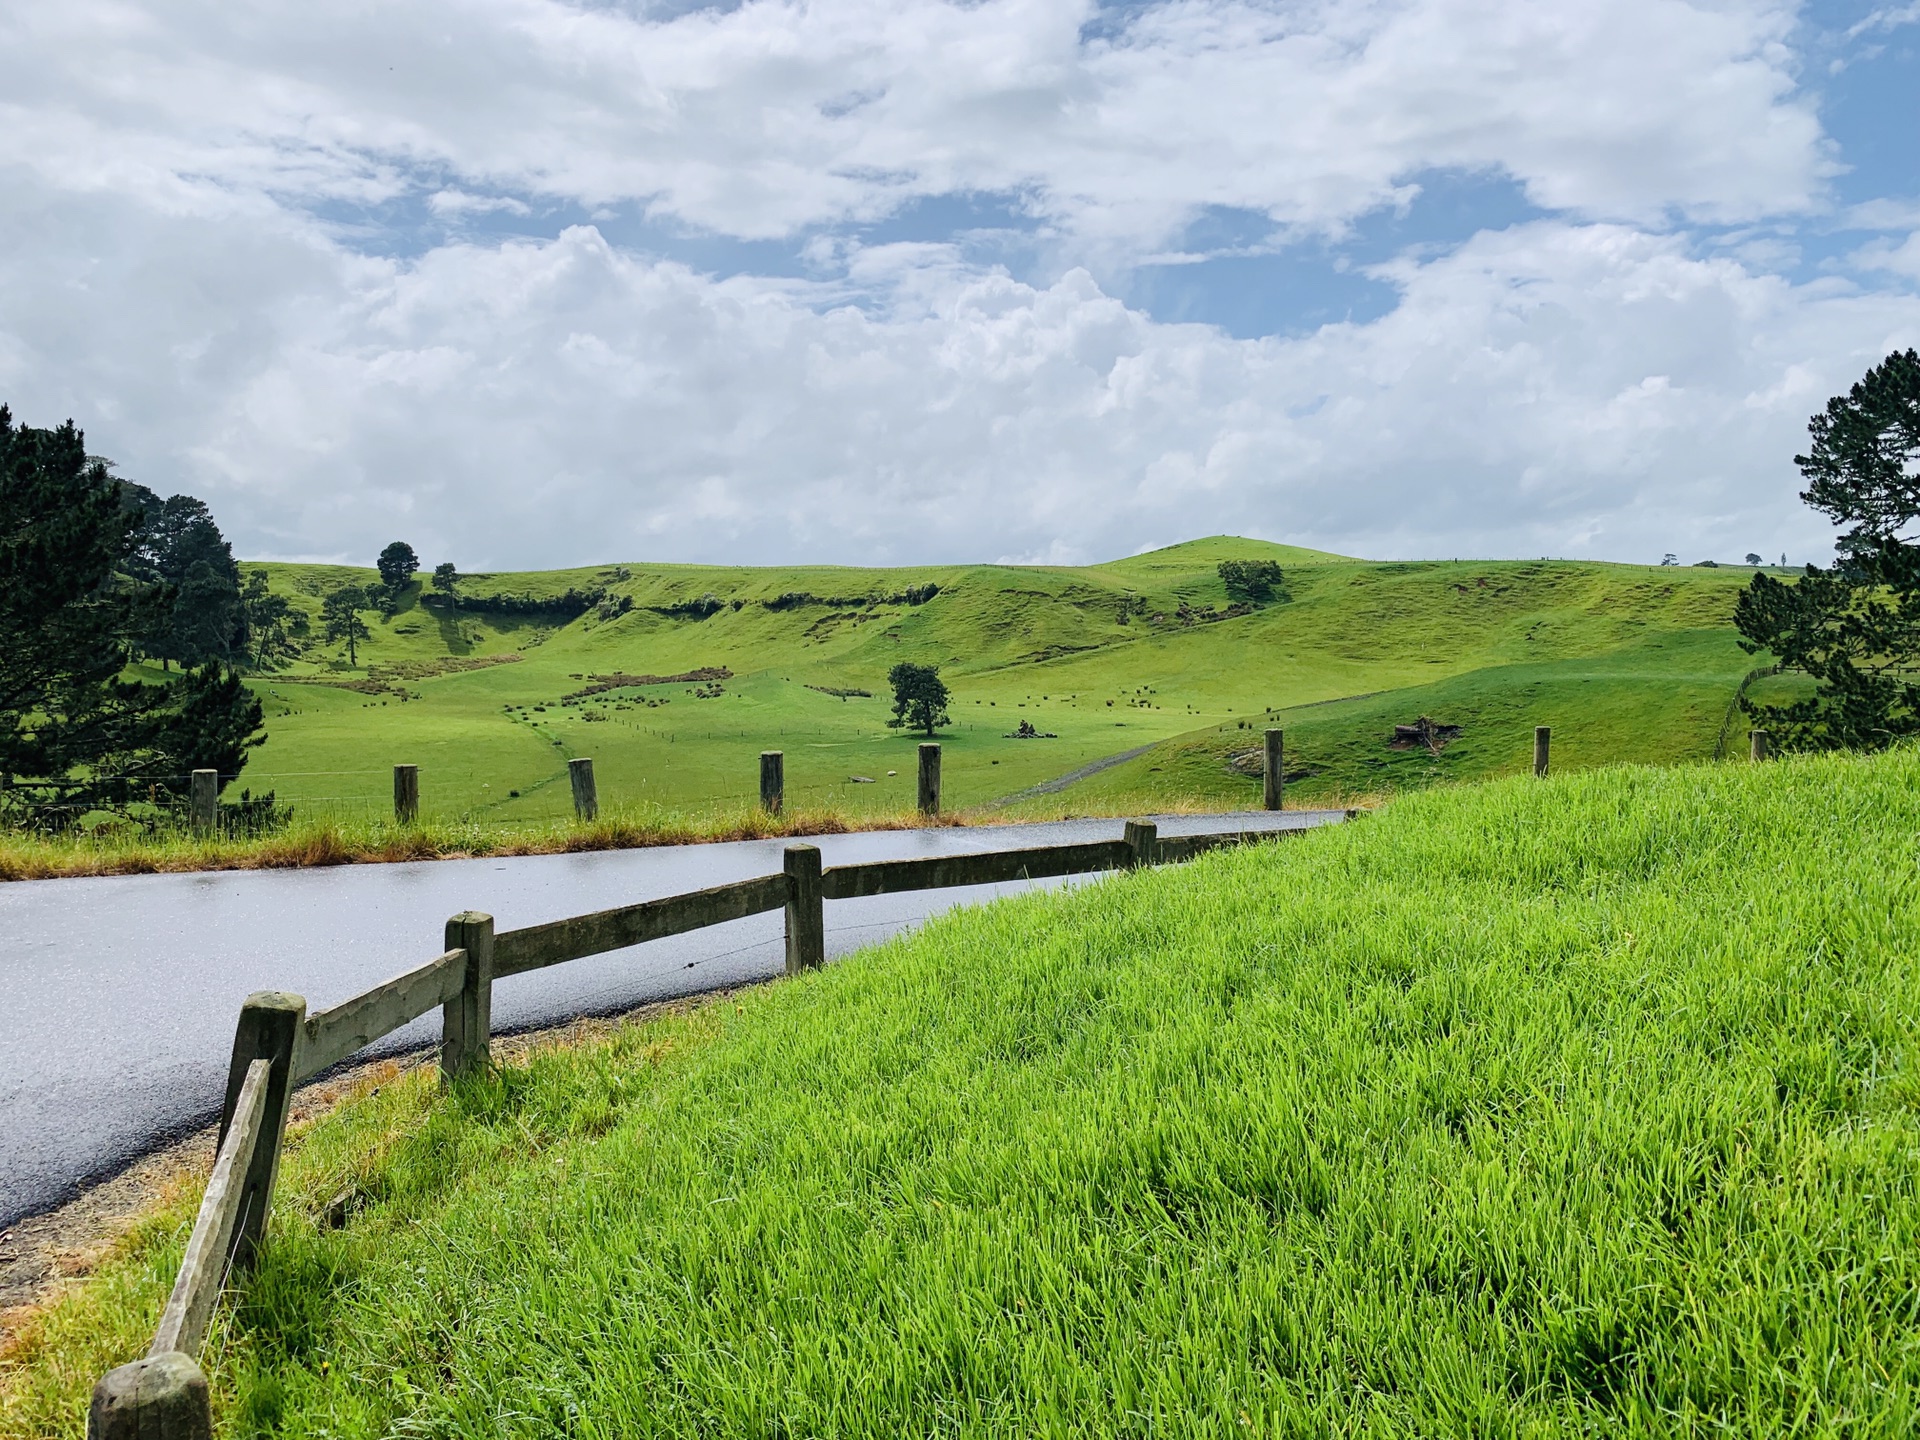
[
  {"x": 806, "y": 909},
  {"x": 1758, "y": 744},
  {"x": 269, "y": 1029},
  {"x": 406, "y": 793},
  {"x": 1542, "y": 743},
  {"x": 930, "y": 779},
  {"x": 586, "y": 799},
  {"x": 163, "y": 1397},
  {"x": 773, "y": 781},
  {"x": 1274, "y": 774},
  {"x": 1143, "y": 838},
  {"x": 466, "y": 1021},
  {"x": 203, "y": 800}
]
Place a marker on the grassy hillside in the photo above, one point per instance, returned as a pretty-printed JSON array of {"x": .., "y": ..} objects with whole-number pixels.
[
  {"x": 1105, "y": 659},
  {"x": 1585, "y": 1107}
]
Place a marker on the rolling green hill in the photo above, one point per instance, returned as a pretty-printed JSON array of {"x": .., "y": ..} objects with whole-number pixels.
[{"x": 674, "y": 677}]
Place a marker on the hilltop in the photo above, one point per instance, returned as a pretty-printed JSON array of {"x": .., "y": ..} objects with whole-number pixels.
[{"x": 673, "y": 677}]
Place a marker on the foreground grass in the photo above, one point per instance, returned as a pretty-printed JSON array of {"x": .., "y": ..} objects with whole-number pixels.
[{"x": 1577, "y": 1107}]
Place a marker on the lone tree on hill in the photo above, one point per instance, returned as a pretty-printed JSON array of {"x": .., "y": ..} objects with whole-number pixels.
[
  {"x": 1854, "y": 627},
  {"x": 1753, "y": 559},
  {"x": 340, "y": 616},
  {"x": 445, "y": 577},
  {"x": 396, "y": 565},
  {"x": 919, "y": 697},
  {"x": 1250, "y": 582}
]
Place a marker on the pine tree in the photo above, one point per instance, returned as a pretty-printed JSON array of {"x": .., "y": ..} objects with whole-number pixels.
[
  {"x": 1854, "y": 627},
  {"x": 74, "y": 736}
]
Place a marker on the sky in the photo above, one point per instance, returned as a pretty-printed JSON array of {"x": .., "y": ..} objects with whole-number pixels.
[{"x": 531, "y": 284}]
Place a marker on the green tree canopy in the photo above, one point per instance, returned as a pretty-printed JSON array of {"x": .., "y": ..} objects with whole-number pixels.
[
  {"x": 919, "y": 697},
  {"x": 74, "y": 736},
  {"x": 445, "y": 577},
  {"x": 1250, "y": 582},
  {"x": 1854, "y": 628},
  {"x": 273, "y": 621},
  {"x": 177, "y": 544},
  {"x": 340, "y": 619},
  {"x": 396, "y": 564}
]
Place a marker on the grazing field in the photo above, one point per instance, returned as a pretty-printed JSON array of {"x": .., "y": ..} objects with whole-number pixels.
[
  {"x": 677, "y": 676},
  {"x": 1578, "y": 1107}
]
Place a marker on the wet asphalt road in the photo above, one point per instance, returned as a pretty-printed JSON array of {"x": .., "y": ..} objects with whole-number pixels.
[{"x": 118, "y": 995}]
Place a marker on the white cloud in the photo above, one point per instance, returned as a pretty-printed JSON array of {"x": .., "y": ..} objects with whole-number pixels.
[
  {"x": 1584, "y": 383},
  {"x": 778, "y": 114},
  {"x": 1886, "y": 256},
  {"x": 454, "y": 203},
  {"x": 1556, "y": 388}
]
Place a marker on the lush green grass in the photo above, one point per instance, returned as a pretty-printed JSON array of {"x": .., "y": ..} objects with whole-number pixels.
[
  {"x": 1579, "y": 1107},
  {"x": 1664, "y": 700},
  {"x": 1046, "y": 644}
]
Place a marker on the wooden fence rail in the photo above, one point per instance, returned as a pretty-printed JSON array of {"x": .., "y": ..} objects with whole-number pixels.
[
  {"x": 165, "y": 1395},
  {"x": 277, "y": 1045}
]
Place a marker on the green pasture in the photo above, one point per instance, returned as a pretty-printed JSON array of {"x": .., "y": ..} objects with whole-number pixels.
[
  {"x": 1665, "y": 700},
  {"x": 1100, "y": 657},
  {"x": 1584, "y": 1107}
]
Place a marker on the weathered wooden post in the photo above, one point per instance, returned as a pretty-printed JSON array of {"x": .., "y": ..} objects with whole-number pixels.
[
  {"x": 163, "y": 1397},
  {"x": 1143, "y": 838},
  {"x": 269, "y": 1029},
  {"x": 1542, "y": 741},
  {"x": 773, "y": 781},
  {"x": 406, "y": 793},
  {"x": 586, "y": 799},
  {"x": 203, "y": 801},
  {"x": 806, "y": 910},
  {"x": 1274, "y": 775},
  {"x": 1757, "y": 743},
  {"x": 466, "y": 1021},
  {"x": 929, "y": 779}
]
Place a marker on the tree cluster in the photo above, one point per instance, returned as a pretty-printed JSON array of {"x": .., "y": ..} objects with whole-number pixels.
[
  {"x": 1854, "y": 627},
  {"x": 90, "y": 577},
  {"x": 1250, "y": 582}
]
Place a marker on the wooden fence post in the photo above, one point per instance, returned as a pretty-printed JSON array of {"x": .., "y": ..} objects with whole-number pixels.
[
  {"x": 773, "y": 781},
  {"x": 1542, "y": 741},
  {"x": 1143, "y": 838},
  {"x": 269, "y": 1029},
  {"x": 586, "y": 799},
  {"x": 163, "y": 1397},
  {"x": 406, "y": 793},
  {"x": 1757, "y": 744},
  {"x": 806, "y": 909},
  {"x": 203, "y": 801},
  {"x": 1274, "y": 775},
  {"x": 466, "y": 1021},
  {"x": 930, "y": 779}
]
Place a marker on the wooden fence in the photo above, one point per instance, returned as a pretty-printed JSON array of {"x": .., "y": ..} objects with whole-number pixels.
[{"x": 277, "y": 1045}]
